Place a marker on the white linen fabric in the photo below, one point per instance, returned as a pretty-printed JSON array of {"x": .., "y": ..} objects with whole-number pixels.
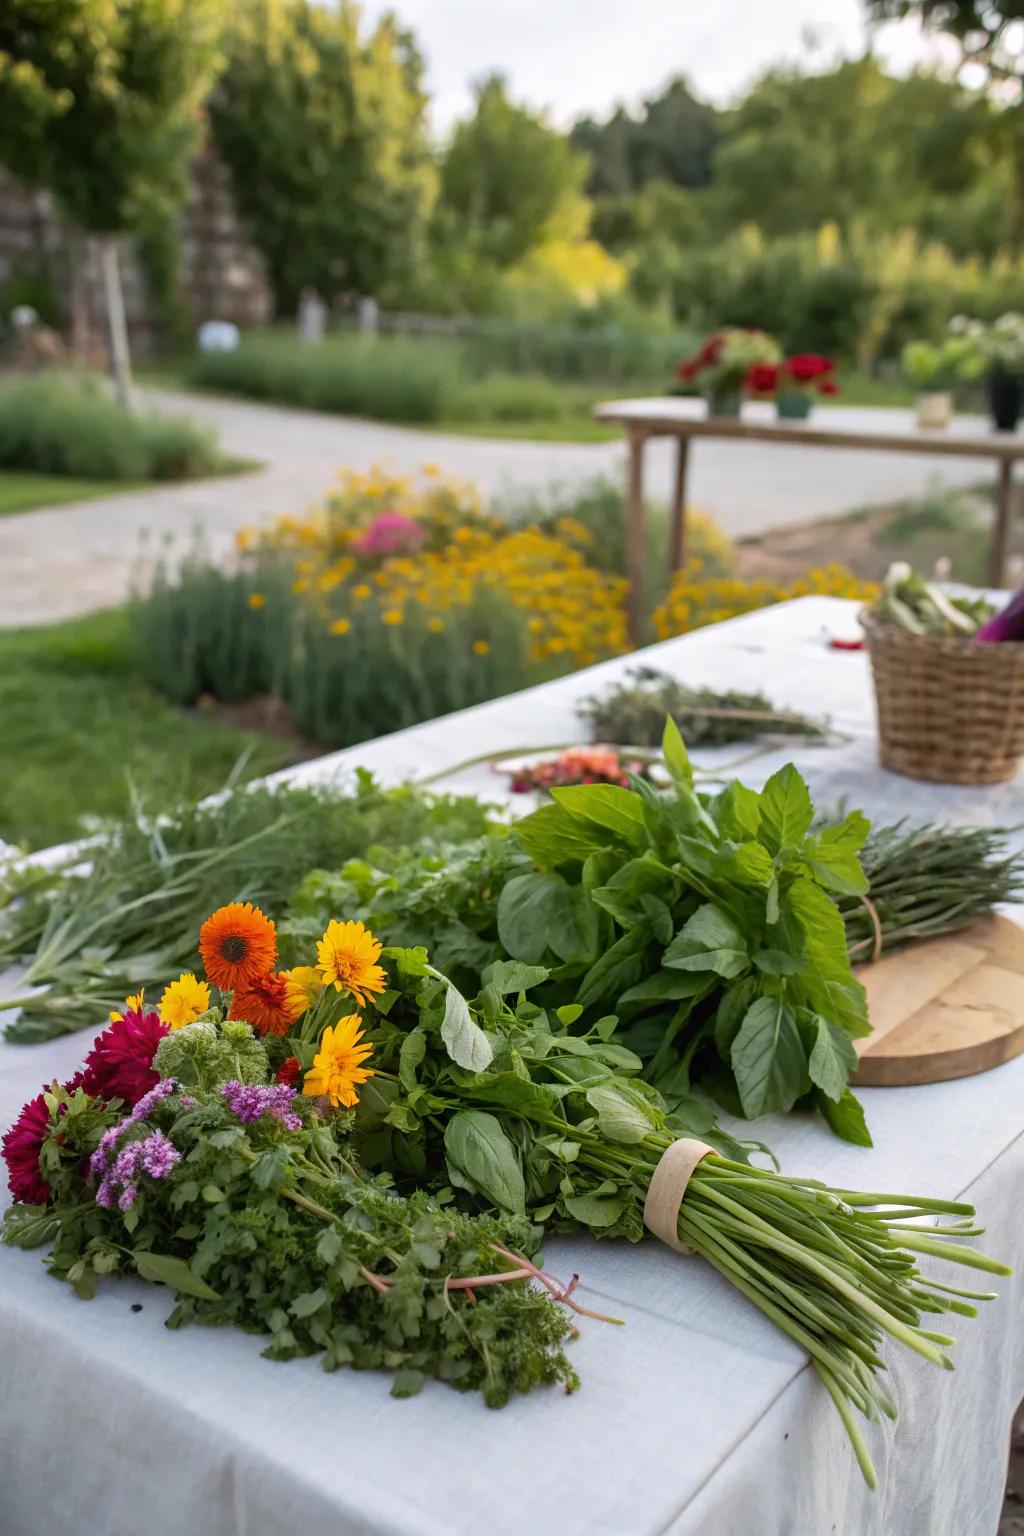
[{"x": 698, "y": 1418}]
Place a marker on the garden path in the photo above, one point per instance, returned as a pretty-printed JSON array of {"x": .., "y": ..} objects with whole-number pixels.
[{"x": 62, "y": 561}]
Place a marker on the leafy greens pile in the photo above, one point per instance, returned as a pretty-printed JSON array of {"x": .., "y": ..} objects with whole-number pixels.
[{"x": 707, "y": 926}]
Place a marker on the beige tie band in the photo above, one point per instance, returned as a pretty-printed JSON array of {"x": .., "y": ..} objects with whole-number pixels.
[{"x": 668, "y": 1187}]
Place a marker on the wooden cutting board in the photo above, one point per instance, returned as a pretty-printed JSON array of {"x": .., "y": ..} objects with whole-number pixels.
[{"x": 946, "y": 1008}]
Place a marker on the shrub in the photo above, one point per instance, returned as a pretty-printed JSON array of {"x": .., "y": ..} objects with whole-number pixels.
[
  {"x": 514, "y": 397},
  {"x": 60, "y": 425},
  {"x": 694, "y": 600},
  {"x": 359, "y": 637},
  {"x": 390, "y": 378}
]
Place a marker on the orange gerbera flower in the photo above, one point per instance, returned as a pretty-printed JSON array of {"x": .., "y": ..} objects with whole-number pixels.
[
  {"x": 265, "y": 1004},
  {"x": 347, "y": 956},
  {"x": 337, "y": 1068},
  {"x": 238, "y": 943}
]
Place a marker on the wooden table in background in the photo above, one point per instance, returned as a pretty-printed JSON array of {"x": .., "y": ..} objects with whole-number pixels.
[{"x": 684, "y": 419}]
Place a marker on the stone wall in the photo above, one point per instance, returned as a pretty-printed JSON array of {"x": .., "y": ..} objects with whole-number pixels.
[{"x": 222, "y": 276}]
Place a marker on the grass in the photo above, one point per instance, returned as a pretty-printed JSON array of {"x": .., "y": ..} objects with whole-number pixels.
[
  {"x": 69, "y": 425},
  {"x": 80, "y": 727},
  {"x": 24, "y": 492}
]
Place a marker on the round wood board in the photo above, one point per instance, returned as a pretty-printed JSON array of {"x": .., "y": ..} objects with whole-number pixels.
[{"x": 944, "y": 1009}]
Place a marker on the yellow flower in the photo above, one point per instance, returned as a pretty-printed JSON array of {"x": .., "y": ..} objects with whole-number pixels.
[
  {"x": 132, "y": 1004},
  {"x": 300, "y": 585},
  {"x": 337, "y": 1068},
  {"x": 303, "y": 985},
  {"x": 435, "y": 626},
  {"x": 481, "y": 648},
  {"x": 432, "y": 471},
  {"x": 256, "y": 600},
  {"x": 184, "y": 1000},
  {"x": 347, "y": 956},
  {"x": 392, "y": 616},
  {"x": 361, "y": 592},
  {"x": 340, "y": 627}
]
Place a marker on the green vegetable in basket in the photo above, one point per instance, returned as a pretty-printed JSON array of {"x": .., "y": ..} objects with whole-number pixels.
[{"x": 923, "y": 608}]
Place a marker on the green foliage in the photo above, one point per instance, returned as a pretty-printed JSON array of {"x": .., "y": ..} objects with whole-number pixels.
[
  {"x": 56, "y": 424},
  {"x": 324, "y": 135},
  {"x": 207, "y": 1053},
  {"x": 99, "y": 98},
  {"x": 509, "y": 182},
  {"x": 90, "y": 936},
  {"x": 388, "y": 378},
  {"x": 672, "y": 138},
  {"x": 633, "y": 713},
  {"x": 333, "y": 1264},
  {"x": 71, "y": 693}
]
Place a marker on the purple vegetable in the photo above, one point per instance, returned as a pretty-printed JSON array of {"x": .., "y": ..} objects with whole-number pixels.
[{"x": 1008, "y": 625}]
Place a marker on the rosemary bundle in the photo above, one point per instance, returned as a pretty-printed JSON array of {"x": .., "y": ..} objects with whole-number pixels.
[
  {"x": 924, "y": 881},
  {"x": 633, "y": 713}
]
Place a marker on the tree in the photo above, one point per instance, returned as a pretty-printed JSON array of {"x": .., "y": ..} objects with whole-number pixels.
[
  {"x": 991, "y": 40},
  {"x": 98, "y": 104},
  {"x": 324, "y": 137},
  {"x": 509, "y": 182},
  {"x": 673, "y": 138}
]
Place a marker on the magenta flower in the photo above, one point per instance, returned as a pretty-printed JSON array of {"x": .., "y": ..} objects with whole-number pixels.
[
  {"x": 120, "y": 1064},
  {"x": 390, "y": 534},
  {"x": 21, "y": 1148}
]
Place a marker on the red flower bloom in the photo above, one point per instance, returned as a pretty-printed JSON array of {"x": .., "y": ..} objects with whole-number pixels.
[
  {"x": 21, "y": 1148},
  {"x": 289, "y": 1072},
  {"x": 762, "y": 378},
  {"x": 828, "y": 387},
  {"x": 711, "y": 350},
  {"x": 807, "y": 366},
  {"x": 120, "y": 1064}
]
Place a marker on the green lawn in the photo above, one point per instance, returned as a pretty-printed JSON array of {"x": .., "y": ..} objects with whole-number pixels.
[
  {"x": 80, "y": 728},
  {"x": 23, "y": 492}
]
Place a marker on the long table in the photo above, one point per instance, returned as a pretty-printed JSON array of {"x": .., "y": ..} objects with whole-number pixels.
[
  {"x": 684, "y": 420},
  {"x": 698, "y": 1418}
]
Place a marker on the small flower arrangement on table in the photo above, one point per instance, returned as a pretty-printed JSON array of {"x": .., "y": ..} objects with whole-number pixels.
[
  {"x": 793, "y": 383},
  {"x": 577, "y": 765},
  {"x": 722, "y": 365}
]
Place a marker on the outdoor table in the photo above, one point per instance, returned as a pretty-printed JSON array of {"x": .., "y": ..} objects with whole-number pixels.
[
  {"x": 698, "y": 1418},
  {"x": 685, "y": 419}
]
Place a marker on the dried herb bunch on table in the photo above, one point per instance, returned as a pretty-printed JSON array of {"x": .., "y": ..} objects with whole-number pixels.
[{"x": 633, "y": 713}]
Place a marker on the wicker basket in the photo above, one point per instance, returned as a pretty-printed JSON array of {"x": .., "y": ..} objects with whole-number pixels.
[{"x": 949, "y": 710}]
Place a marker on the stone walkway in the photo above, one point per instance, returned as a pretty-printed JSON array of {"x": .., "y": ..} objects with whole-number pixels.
[{"x": 55, "y": 563}]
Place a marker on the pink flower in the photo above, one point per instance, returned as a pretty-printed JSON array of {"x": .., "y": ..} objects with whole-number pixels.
[
  {"x": 389, "y": 534},
  {"x": 120, "y": 1064},
  {"x": 21, "y": 1148}
]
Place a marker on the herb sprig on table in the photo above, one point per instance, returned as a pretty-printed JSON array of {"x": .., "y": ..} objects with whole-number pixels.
[{"x": 633, "y": 713}]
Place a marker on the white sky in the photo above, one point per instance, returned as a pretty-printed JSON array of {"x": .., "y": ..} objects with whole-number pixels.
[{"x": 582, "y": 56}]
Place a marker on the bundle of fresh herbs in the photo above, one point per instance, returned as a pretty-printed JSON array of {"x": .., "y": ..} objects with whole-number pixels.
[
  {"x": 184, "y": 1151},
  {"x": 524, "y": 1116},
  {"x": 924, "y": 881},
  {"x": 924, "y": 608},
  {"x": 633, "y": 713},
  {"x": 122, "y": 913},
  {"x": 257, "y": 1218}
]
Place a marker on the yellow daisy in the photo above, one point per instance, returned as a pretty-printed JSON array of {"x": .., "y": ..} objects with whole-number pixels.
[
  {"x": 303, "y": 985},
  {"x": 184, "y": 1000},
  {"x": 337, "y": 1068},
  {"x": 132, "y": 1004},
  {"x": 347, "y": 956}
]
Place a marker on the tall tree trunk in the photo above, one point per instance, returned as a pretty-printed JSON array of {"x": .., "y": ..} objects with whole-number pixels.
[{"x": 117, "y": 330}]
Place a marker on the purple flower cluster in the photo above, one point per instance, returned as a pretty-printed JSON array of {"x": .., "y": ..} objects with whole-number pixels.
[
  {"x": 156, "y": 1154},
  {"x": 249, "y": 1101}
]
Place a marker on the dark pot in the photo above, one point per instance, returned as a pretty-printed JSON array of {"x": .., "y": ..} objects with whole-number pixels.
[
  {"x": 1005, "y": 400},
  {"x": 793, "y": 404},
  {"x": 725, "y": 402}
]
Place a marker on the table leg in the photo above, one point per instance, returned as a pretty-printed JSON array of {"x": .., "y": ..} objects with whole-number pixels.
[
  {"x": 677, "y": 550},
  {"x": 636, "y": 549},
  {"x": 1003, "y": 524}
]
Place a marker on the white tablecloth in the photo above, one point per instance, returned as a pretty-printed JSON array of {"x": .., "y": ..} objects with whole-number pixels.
[{"x": 697, "y": 1417}]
